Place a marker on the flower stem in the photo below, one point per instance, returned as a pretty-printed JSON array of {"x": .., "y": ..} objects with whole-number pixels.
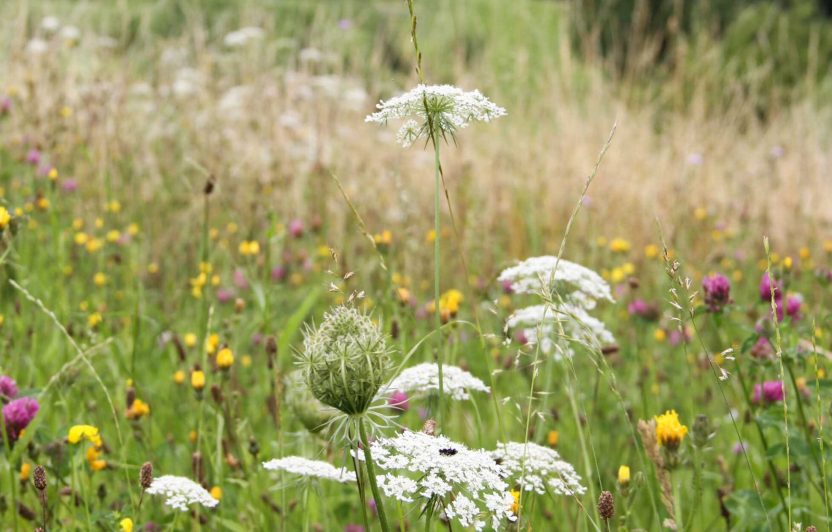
[
  {"x": 371, "y": 475},
  {"x": 436, "y": 258}
]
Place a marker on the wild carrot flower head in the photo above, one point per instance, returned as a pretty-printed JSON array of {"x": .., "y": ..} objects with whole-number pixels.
[
  {"x": 717, "y": 290},
  {"x": 297, "y": 465},
  {"x": 8, "y": 387},
  {"x": 444, "y": 108},
  {"x": 769, "y": 392},
  {"x": 17, "y": 415},
  {"x": 345, "y": 360},
  {"x": 179, "y": 492},
  {"x": 424, "y": 378},
  {"x": 556, "y": 327},
  {"x": 433, "y": 468},
  {"x": 669, "y": 431},
  {"x": 546, "y": 275},
  {"x": 535, "y": 468}
]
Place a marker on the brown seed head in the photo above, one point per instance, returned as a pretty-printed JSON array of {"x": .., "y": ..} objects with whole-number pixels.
[
  {"x": 146, "y": 475},
  {"x": 40, "y": 478},
  {"x": 606, "y": 505}
]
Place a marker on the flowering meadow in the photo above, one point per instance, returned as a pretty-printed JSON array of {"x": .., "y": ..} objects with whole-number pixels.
[{"x": 409, "y": 264}]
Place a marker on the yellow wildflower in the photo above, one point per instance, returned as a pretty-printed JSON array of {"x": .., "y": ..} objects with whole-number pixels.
[
  {"x": 624, "y": 475},
  {"x": 552, "y": 438},
  {"x": 5, "y": 218},
  {"x": 99, "y": 279},
  {"x": 669, "y": 431},
  {"x": 94, "y": 319},
  {"x": 198, "y": 380},
  {"x": 126, "y": 525},
  {"x": 619, "y": 245},
  {"x": 216, "y": 492},
  {"x": 138, "y": 409},
  {"x": 25, "y": 470},
  {"x": 179, "y": 377},
  {"x": 225, "y": 358},
  {"x": 86, "y": 432}
]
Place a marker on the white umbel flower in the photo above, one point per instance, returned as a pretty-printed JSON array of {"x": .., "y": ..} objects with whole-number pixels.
[
  {"x": 572, "y": 282},
  {"x": 179, "y": 492},
  {"x": 536, "y": 468},
  {"x": 243, "y": 36},
  {"x": 449, "y": 108},
  {"x": 304, "y": 467},
  {"x": 570, "y": 323},
  {"x": 424, "y": 378},
  {"x": 418, "y": 466}
]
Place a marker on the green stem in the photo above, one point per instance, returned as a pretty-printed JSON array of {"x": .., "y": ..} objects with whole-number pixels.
[
  {"x": 371, "y": 475},
  {"x": 436, "y": 269}
]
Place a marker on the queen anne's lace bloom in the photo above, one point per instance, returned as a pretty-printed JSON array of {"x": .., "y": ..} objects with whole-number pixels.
[
  {"x": 572, "y": 282},
  {"x": 534, "y": 468},
  {"x": 424, "y": 378},
  {"x": 180, "y": 492},
  {"x": 548, "y": 324},
  {"x": 297, "y": 465},
  {"x": 449, "y": 108},
  {"x": 420, "y": 466}
]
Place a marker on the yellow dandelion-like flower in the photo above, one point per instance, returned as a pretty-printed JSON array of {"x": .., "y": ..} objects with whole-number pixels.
[
  {"x": 212, "y": 343},
  {"x": 84, "y": 432},
  {"x": 133, "y": 229},
  {"x": 669, "y": 431},
  {"x": 659, "y": 335},
  {"x": 179, "y": 377},
  {"x": 245, "y": 360},
  {"x": 113, "y": 236},
  {"x": 5, "y": 218},
  {"x": 619, "y": 245},
  {"x": 624, "y": 475},
  {"x": 189, "y": 339},
  {"x": 138, "y": 409},
  {"x": 99, "y": 279},
  {"x": 126, "y": 525},
  {"x": 216, "y": 492},
  {"x": 25, "y": 471},
  {"x": 94, "y": 319},
  {"x": 515, "y": 505},
  {"x": 225, "y": 358},
  {"x": 94, "y": 244},
  {"x": 384, "y": 239},
  {"x": 198, "y": 380},
  {"x": 552, "y": 438}
]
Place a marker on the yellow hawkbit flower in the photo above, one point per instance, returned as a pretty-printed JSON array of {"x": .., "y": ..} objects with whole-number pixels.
[
  {"x": 179, "y": 377},
  {"x": 84, "y": 432},
  {"x": 431, "y": 235},
  {"x": 53, "y": 174},
  {"x": 383, "y": 239},
  {"x": 403, "y": 295},
  {"x": 245, "y": 360},
  {"x": 552, "y": 438},
  {"x": 94, "y": 460},
  {"x": 94, "y": 244},
  {"x": 669, "y": 431},
  {"x": 189, "y": 339},
  {"x": 126, "y": 525},
  {"x": 231, "y": 228},
  {"x": 659, "y": 335},
  {"x": 113, "y": 236},
  {"x": 804, "y": 253},
  {"x": 225, "y": 358},
  {"x": 212, "y": 343},
  {"x": 99, "y": 223},
  {"x": 99, "y": 279},
  {"x": 114, "y": 206},
  {"x": 5, "y": 218},
  {"x": 81, "y": 238},
  {"x": 94, "y": 319},
  {"x": 138, "y": 409},
  {"x": 788, "y": 263},
  {"x": 624, "y": 475},
  {"x": 515, "y": 505},
  {"x": 198, "y": 380},
  {"x": 619, "y": 245},
  {"x": 133, "y": 229},
  {"x": 192, "y": 436},
  {"x": 77, "y": 224},
  {"x": 216, "y": 492},
  {"x": 249, "y": 247},
  {"x": 449, "y": 301},
  {"x": 25, "y": 470},
  {"x": 42, "y": 203},
  {"x": 700, "y": 214}
]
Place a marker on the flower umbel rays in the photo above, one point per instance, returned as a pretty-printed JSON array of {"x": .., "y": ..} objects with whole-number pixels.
[
  {"x": 304, "y": 467},
  {"x": 424, "y": 378},
  {"x": 179, "y": 492},
  {"x": 444, "y": 108},
  {"x": 535, "y": 468},
  {"x": 469, "y": 483}
]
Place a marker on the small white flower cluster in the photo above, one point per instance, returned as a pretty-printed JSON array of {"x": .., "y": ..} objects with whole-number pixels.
[
  {"x": 534, "y": 468},
  {"x": 424, "y": 378},
  {"x": 449, "y": 108},
  {"x": 420, "y": 466},
  {"x": 243, "y": 36},
  {"x": 570, "y": 291},
  {"x": 542, "y": 275},
  {"x": 564, "y": 322},
  {"x": 180, "y": 492},
  {"x": 304, "y": 467}
]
